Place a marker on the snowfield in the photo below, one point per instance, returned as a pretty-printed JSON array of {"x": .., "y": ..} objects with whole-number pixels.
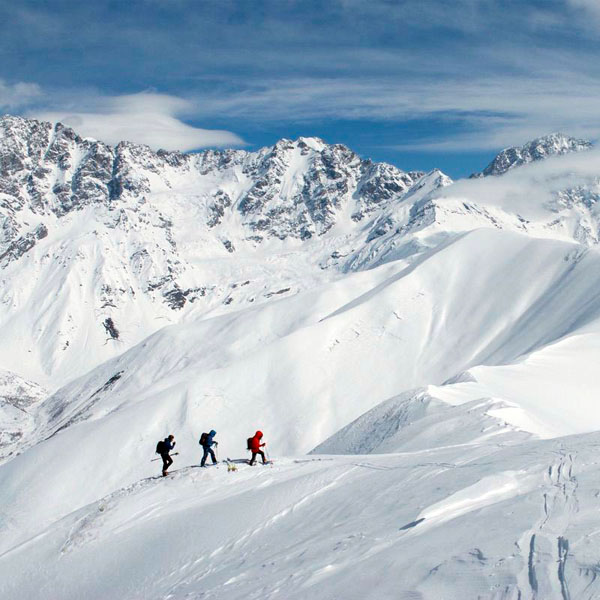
[
  {"x": 422, "y": 357},
  {"x": 465, "y": 521}
]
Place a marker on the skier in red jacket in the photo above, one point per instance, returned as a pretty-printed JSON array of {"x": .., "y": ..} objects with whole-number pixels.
[{"x": 255, "y": 446}]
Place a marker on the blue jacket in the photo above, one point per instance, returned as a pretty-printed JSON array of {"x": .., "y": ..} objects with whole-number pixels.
[
  {"x": 209, "y": 439},
  {"x": 168, "y": 445}
]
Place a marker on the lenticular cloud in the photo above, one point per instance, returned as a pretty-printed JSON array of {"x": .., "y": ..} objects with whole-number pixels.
[{"x": 144, "y": 118}]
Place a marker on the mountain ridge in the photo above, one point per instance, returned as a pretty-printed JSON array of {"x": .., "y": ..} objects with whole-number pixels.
[
  {"x": 136, "y": 235},
  {"x": 553, "y": 144},
  {"x": 115, "y": 242}
]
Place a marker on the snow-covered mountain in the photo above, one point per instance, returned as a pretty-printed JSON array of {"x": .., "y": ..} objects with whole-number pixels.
[
  {"x": 102, "y": 246},
  {"x": 434, "y": 344},
  {"x": 554, "y": 144}
]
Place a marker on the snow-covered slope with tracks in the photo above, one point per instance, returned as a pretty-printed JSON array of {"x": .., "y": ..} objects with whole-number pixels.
[{"x": 465, "y": 521}]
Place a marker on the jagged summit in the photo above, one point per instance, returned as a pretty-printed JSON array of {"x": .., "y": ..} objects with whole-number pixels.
[
  {"x": 123, "y": 236},
  {"x": 292, "y": 189},
  {"x": 553, "y": 144},
  {"x": 125, "y": 240}
]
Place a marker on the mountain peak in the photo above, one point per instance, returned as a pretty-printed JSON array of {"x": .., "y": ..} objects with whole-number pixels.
[
  {"x": 314, "y": 143},
  {"x": 553, "y": 144}
]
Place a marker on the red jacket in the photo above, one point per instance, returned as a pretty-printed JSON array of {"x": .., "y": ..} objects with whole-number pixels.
[{"x": 255, "y": 442}]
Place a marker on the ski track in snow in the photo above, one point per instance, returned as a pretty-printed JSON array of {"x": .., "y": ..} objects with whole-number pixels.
[{"x": 548, "y": 548}]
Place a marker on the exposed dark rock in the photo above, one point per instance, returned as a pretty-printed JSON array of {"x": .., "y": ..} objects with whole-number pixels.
[
  {"x": 282, "y": 291},
  {"x": 23, "y": 244},
  {"x": 175, "y": 298},
  {"x": 40, "y": 165},
  {"x": 111, "y": 329},
  {"x": 217, "y": 209}
]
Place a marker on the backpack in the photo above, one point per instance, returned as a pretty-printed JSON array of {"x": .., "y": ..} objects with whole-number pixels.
[
  {"x": 249, "y": 442},
  {"x": 203, "y": 439},
  {"x": 160, "y": 447}
]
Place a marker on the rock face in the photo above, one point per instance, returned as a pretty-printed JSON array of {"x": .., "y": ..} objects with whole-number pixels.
[
  {"x": 294, "y": 189},
  {"x": 554, "y": 144}
]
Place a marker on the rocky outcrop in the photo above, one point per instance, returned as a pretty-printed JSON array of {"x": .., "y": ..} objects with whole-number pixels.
[
  {"x": 18, "y": 400},
  {"x": 554, "y": 144},
  {"x": 23, "y": 244},
  {"x": 294, "y": 190}
]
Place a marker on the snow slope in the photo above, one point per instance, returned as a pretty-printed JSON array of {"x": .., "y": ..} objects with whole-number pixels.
[
  {"x": 440, "y": 339},
  {"x": 303, "y": 367},
  {"x": 102, "y": 246},
  {"x": 466, "y": 521}
]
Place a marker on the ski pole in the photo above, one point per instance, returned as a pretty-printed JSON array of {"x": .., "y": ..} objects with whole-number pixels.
[{"x": 160, "y": 457}]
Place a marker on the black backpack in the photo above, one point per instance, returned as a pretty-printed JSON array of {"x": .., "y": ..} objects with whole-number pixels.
[
  {"x": 203, "y": 439},
  {"x": 249, "y": 443},
  {"x": 160, "y": 447}
]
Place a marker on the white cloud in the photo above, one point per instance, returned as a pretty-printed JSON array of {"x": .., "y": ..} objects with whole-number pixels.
[
  {"x": 481, "y": 112},
  {"x": 525, "y": 189},
  {"x": 17, "y": 95},
  {"x": 144, "y": 118},
  {"x": 488, "y": 73}
]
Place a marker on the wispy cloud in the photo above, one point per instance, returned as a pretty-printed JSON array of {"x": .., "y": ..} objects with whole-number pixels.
[
  {"x": 486, "y": 112},
  {"x": 18, "y": 95},
  {"x": 144, "y": 118},
  {"x": 479, "y": 113},
  {"x": 480, "y": 75},
  {"x": 526, "y": 189}
]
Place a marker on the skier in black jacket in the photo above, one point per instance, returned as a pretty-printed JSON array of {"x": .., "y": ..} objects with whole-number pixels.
[{"x": 167, "y": 446}]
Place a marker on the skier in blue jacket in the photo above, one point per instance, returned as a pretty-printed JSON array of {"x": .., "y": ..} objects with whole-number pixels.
[{"x": 206, "y": 441}]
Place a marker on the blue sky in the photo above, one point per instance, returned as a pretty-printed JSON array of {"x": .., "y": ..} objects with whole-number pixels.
[{"x": 420, "y": 84}]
